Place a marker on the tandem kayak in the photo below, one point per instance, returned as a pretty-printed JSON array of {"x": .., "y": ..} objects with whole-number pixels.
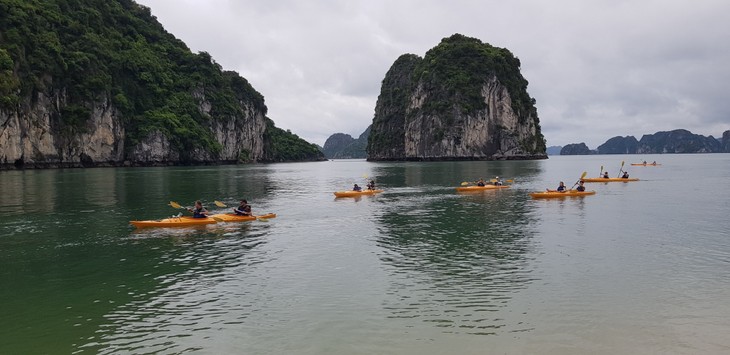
[
  {"x": 353, "y": 193},
  {"x": 642, "y": 164},
  {"x": 174, "y": 222},
  {"x": 232, "y": 217},
  {"x": 600, "y": 179},
  {"x": 480, "y": 188},
  {"x": 556, "y": 194}
]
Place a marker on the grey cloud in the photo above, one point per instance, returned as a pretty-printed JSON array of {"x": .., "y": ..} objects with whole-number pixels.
[{"x": 597, "y": 69}]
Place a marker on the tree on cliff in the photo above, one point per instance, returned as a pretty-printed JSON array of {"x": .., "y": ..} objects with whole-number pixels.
[
  {"x": 84, "y": 52},
  {"x": 464, "y": 100}
]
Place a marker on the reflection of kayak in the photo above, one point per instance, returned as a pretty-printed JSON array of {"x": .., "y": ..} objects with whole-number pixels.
[
  {"x": 231, "y": 217},
  {"x": 642, "y": 164},
  {"x": 173, "y": 222},
  {"x": 555, "y": 194},
  {"x": 600, "y": 179},
  {"x": 356, "y": 193},
  {"x": 480, "y": 188}
]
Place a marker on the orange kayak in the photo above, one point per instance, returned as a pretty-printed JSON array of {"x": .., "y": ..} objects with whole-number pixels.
[
  {"x": 174, "y": 222},
  {"x": 600, "y": 179},
  {"x": 352, "y": 193},
  {"x": 642, "y": 164},
  {"x": 232, "y": 217},
  {"x": 481, "y": 188},
  {"x": 556, "y": 194}
]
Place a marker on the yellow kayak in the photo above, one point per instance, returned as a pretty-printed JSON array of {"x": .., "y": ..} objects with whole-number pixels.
[
  {"x": 642, "y": 164},
  {"x": 232, "y": 217},
  {"x": 556, "y": 194},
  {"x": 481, "y": 188},
  {"x": 184, "y": 221},
  {"x": 600, "y": 179},
  {"x": 353, "y": 193}
]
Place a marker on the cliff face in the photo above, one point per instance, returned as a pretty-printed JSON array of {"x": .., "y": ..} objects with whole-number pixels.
[
  {"x": 619, "y": 145},
  {"x": 677, "y": 141},
  {"x": 102, "y": 83},
  {"x": 576, "y": 149},
  {"x": 464, "y": 100},
  {"x": 725, "y": 141},
  {"x": 343, "y": 146}
]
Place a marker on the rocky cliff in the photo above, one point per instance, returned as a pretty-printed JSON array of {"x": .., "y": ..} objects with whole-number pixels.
[
  {"x": 576, "y": 149},
  {"x": 88, "y": 83},
  {"x": 619, "y": 145},
  {"x": 553, "y": 150},
  {"x": 725, "y": 142},
  {"x": 464, "y": 100},
  {"x": 677, "y": 141},
  {"x": 343, "y": 146}
]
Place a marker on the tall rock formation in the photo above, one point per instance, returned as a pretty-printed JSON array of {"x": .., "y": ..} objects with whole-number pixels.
[
  {"x": 103, "y": 83},
  {"x": 464, "y": 100},
  {"x": 725, "y": 141},
  {"x": 619, "y": 145},
  {"x": 576, "y": 149},
  {"x": 343, "y": 146},
  {"x": 677, "y": 141}
]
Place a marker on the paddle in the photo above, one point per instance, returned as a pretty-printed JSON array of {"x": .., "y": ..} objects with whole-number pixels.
[
  {"x": 582, "y": 176},
  {"x": 174, "y": 204},
  {"x": 601, "y": 173},
  {"x": 465, "y": 183},
  {"x": 220, "y": 204},
  {"x": 620, "y": 170}
]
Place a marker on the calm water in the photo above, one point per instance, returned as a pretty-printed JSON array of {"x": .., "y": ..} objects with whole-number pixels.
[{"x": 640, "y": 267}]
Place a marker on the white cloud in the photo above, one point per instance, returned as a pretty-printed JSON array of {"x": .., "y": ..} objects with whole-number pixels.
[{"x": 596, "y": 68}]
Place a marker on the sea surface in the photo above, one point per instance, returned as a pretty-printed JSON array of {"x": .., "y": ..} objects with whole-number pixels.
[{"x": 638, "y": 268}]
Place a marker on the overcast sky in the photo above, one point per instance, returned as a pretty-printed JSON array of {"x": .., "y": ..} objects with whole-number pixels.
[{"x": 597, "y": 68}]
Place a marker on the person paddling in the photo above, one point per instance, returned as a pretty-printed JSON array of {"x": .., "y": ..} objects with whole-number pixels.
[
  {"x": 561, "y": 187},
  {"x": 481, "y": 182},
  {"x": 625, "y": 175},
  {"x": 356, "y": 188},
  {"x": 497, "y": 181},
  {"x": 605, "y": 175},
  {"x": 243, "y": 209},
  {"x": 199, "y": 211},
  {"x": 580, "y": 187},
  {"x": 371, "y": 185}
]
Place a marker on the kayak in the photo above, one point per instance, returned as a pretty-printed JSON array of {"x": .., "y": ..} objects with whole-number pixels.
[
  {"x": 556, "y": 194},
  {"x": 642, "y": 164},
  {"x": 353, "y": 193},
  {"x": 174, "y": 222},
  {"x": 232, "y": 217},
  {"x": 600, "y": 179},
  {"x": 481, "y": 188}
]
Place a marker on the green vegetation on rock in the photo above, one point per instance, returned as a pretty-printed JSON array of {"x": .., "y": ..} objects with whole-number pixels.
[
  {"x": 85, "y": 51},
  {"x": 282, "y": 146}
]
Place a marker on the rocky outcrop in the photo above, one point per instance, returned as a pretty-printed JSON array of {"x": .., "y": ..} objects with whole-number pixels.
[
  {"x": 465, "y": 100},
  {"x": 619, "y": 145},
  {"x": 725, "y": 142},
  {"x": 137, "y": 97},
  {"x": 576, "y": 149},
  {"x": 677, "y": 141},
  {"x": 343, "y": 146}
]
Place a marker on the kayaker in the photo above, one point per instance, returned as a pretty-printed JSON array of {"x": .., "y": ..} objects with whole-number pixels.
[
  {"x": 645, "y": 162},
  {"x": 625, "y": 175},
  {"x": 199, "y": 211},
  {"x": 481, "y": 182},
  {"x": 243, "y": 209},
  {"x": 497, "y": 181},
  {"x": 371, "y": 185},
  {"x": 580, "y": 187},
  {"x": 654, "y": 163},
  {"x": 356, "y": 188},
  {"x": 561, "y": 187},
  {"x": 605, "y": 175}
]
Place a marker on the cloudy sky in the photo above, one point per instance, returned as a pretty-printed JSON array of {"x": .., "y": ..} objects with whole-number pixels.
[{"x": 597, "y": 68}]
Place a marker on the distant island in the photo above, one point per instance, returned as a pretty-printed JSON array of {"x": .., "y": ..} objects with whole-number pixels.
[
  {"x": 464, "y": 100},
  {"x": 343, "y": 146},
  {"x": 664, "y": 142},
  {"x": 102, "y": 83}
]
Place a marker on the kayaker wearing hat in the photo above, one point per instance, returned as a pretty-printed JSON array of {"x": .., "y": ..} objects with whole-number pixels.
[
  {"x": 497, "y": 181},
  {"x": 580, "y": 186}
]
